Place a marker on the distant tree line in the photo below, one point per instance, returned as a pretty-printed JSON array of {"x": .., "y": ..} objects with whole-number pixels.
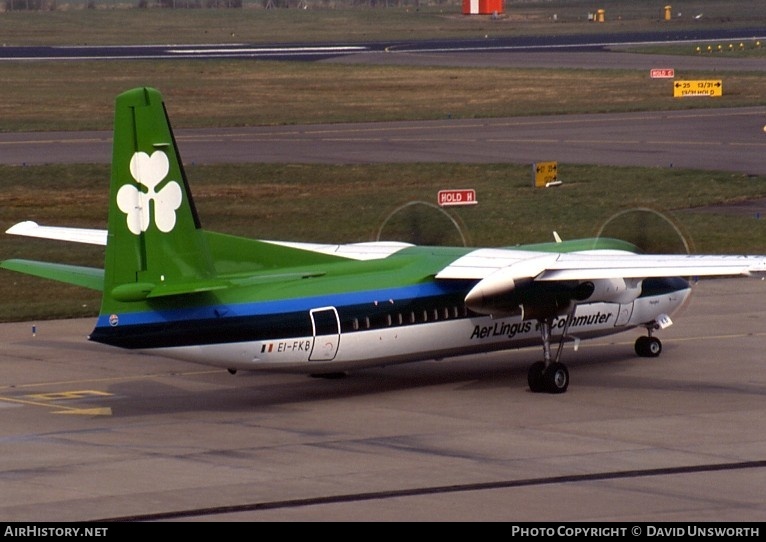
[
  {"x": 31, "y": 5},
  {"x": 50, "y": 5},
  {"x": 190, "y": 4}
]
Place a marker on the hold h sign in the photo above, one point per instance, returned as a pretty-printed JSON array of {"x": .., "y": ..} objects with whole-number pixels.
[{"x": 457, "y": 197}]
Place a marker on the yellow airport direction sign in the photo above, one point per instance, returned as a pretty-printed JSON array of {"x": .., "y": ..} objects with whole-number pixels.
[
  {"x": 685, "y": 89},
  {"x": 545, "y": 173}
]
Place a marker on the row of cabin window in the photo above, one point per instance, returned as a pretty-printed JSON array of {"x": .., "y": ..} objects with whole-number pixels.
[{"x": 413, "y": 317}]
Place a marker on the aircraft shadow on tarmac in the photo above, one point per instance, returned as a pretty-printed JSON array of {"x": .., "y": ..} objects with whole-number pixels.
[{"x": 249, "y": 392}]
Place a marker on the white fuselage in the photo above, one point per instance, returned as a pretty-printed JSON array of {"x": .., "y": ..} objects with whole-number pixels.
[{"x": 441, "y": 337}]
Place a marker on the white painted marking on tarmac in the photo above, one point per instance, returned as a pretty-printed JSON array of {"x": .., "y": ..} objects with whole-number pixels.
[{"x": 277, "y": 50}]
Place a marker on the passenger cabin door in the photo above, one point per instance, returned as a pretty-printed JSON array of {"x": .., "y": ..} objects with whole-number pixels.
[{"x": 325, "y": 324}]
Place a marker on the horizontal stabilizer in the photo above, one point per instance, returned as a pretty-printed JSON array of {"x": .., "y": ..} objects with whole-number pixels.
[
  {"x": 139, "y": 291},
  {"x": 86, "y": 277}
]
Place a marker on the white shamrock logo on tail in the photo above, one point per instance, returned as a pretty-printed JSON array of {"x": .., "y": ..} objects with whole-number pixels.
[{"x": 149, "y": 171}]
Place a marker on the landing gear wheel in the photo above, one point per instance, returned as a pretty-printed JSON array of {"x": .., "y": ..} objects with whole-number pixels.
[
  {"x": 549, "y": 375},
  {"x": 556, "y": 378},
  {"x": 535, "y": 377},
  {"x": 648, "y": 347}
]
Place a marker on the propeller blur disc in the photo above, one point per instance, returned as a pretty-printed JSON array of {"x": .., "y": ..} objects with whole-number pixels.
[
  {"x": 421, "y": 223},
  {"x": 651, "y": 231}
]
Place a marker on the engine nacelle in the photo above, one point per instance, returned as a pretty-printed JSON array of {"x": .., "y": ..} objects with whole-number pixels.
[{"x": 617, "y": 290}]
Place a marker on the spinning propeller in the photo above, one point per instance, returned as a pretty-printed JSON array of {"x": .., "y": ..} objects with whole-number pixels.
[
  {"x": 421, "y": 223},
  {"x": 651, "y": 231}
]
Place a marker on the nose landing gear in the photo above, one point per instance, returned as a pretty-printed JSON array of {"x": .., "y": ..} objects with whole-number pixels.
[{"x": 648, "y": 347}]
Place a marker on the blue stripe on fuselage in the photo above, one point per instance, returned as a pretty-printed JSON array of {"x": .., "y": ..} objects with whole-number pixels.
[
  {"x": 650, "y": 287},
  {"x": 427, "y": 289}
]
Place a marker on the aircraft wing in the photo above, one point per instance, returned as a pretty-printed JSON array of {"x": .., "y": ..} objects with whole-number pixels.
[
  {"x": 75, "y": 235},
  {"x": 610, "y": 276},
  {"x": 593, "y": 265},
  {"x": 355, "y": 251},
  {"x": 497, "y": 270}
]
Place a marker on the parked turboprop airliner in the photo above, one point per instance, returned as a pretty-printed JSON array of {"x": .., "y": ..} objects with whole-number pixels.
[{"x": 174, "y": 289}]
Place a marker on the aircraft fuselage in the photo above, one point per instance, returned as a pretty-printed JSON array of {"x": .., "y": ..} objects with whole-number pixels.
[{"x": 363, "y": 329}]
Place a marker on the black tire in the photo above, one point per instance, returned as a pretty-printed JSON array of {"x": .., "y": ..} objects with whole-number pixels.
[
  {"x": 640, "y": 346},
  {"x": 535, "y": 377}
]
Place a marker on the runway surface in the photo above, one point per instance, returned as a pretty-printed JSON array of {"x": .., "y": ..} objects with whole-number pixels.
[
  {"x": 712, "y": 139},
  {"x": 309, "y": 52},
  {"x": 92, "y": 433},
  {"x": 728, "y": 139}
]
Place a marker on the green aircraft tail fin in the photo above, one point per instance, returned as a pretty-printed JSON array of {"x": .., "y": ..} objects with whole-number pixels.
[{"x": 155, "y": 242}]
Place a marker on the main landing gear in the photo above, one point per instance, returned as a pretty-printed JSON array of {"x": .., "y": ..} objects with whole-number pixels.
[
  {"x": 552, "y": 376},
  {"x": 549, "y": 375}
]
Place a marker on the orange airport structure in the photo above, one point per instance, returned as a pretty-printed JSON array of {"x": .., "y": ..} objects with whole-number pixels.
[{"x": 483, "y": 7}]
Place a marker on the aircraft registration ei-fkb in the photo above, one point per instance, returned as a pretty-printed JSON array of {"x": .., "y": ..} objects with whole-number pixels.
[{"x": 171, "y": 288}]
